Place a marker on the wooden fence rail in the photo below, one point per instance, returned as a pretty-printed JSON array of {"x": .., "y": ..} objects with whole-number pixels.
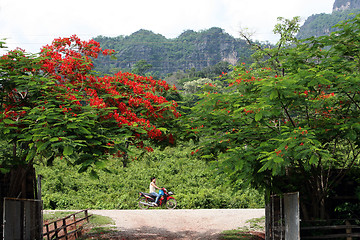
[
  {"x": 344, "y": 231},
  {"x": 65, "y": 227}
]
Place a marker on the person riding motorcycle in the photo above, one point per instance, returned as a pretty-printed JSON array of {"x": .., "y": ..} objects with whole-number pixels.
[{"x": 152, "y": 190}]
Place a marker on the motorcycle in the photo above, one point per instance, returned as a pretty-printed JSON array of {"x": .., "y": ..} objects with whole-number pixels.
[{"x": 147, "y": 200}]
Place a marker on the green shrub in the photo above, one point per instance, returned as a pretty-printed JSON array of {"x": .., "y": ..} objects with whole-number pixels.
[{"x": 195, "y": 185}]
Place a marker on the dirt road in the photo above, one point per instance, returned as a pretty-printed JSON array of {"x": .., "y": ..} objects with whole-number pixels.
[{"x": 178, "y": 224}]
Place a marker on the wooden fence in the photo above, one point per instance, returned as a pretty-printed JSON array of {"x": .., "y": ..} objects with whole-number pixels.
[
  {"x": 330, "y": 229},
  {"x": 65, "y": 228}
]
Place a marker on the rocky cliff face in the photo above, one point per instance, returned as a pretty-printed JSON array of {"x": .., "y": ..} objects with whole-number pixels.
[
  {"x": 189, "y": 50},
  {"x": 341, "y": 5}
]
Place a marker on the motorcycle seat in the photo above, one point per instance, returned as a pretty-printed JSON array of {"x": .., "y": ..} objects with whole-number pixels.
[{"x": 147, "y": 194}]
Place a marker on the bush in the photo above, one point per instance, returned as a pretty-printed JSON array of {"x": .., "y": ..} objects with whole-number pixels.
[{"x": 193, "y": 182}]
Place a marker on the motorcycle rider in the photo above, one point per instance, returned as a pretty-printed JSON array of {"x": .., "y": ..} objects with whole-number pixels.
[{"x": 152, "y": 190}]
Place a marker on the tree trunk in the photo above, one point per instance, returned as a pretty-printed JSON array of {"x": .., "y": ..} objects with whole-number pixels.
[
  {"x": 125, "y": 158},
  {"x": 319, "y": 187}
]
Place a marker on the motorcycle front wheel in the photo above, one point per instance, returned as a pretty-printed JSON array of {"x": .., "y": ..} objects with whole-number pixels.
[
  {"x": 171, "y": 203},
  {"x": 141, "y": 203}
]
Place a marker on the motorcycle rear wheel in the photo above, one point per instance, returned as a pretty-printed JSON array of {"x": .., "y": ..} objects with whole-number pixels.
[
  {"x": 141, "y": 205},
  {"x": 171, "y": 203}
]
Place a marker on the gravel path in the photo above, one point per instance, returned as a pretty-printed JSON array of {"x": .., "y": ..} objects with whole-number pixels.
[{"x": 178, "y": 223}]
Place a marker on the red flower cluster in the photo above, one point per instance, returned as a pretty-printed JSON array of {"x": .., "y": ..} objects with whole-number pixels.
[
  {"x": 277, "y": 152},
  {"x": 134, "y": 97},
  {"x": 248, "y": 111},
  {"x": 192, "y": 153}
]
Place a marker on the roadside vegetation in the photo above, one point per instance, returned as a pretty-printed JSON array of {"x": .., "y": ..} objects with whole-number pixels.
[{"x": 192, "y": 180}]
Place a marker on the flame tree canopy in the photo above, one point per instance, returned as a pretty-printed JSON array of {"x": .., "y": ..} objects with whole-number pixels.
[{"x": 54, "y": 105}]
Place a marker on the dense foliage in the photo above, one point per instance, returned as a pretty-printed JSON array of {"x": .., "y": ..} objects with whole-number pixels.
[
  {"x": 180, "y": 78},
  {"x": 195, "y": 185}
]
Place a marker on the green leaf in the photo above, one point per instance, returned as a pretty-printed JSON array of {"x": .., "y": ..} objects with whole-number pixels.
[
  {"x": 8, "y": 121},
  {"x": 42, "y": 146},
  {"x": 72, "y": 125},
  {"x": 41, "y": 118},
  {"x": 4, "y": 170},
  {"x": 278, "y": 159},
  {"x": 84, "y": 130},
  {"x": 27, "y": 138},
  {"x": 68, "y": 150},
  {"x": 313, "y": 159},
  {"x": 258, "y": 116},
  {"x": 274, "y": 94},
  {"x": 265, "y": 167},
  {"x": 30, "y": 155},
  {"x": 352, "y": 135},
  {"x": 162, "y": 129},
  {"x": 100, "y": 164},
  {"x": 94, "y": 175}
]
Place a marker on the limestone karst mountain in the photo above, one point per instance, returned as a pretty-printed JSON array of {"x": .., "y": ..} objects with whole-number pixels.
[
  {"x": 191, "y": 49},
  {"x": 322, "y": 24}
]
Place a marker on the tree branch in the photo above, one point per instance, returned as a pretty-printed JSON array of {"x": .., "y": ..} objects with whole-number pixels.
[
  {"x": 352, "y": 99},
  {"x": 286, "y": 111}
]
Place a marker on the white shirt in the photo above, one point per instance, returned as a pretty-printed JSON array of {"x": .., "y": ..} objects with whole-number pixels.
[{"x": 152, "y": 188}]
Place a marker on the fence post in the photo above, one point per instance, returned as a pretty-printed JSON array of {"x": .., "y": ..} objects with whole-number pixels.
[
  {"x": 56, "y": 232},
  {"x": 74, "y": 220},
  {"x": 65, "y": 228},
  {"x": 348, "y": 229},
  {"x": 86, "y": 215},
  {"x": 47, "y": 231}
]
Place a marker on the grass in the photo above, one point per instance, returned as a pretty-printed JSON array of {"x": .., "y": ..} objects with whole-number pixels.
[
  {"x": 52, "y": 216},
  {"x": 236, "y": 234},
  {"x": 97, "y": 226},
  {"x": 98, "y": 220},
  {"x": 256, "y": 225}
]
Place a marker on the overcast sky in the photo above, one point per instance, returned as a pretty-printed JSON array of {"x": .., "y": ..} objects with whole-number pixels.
[{"x": 30, "y": 24}]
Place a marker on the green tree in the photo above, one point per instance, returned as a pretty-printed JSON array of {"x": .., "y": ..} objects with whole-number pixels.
[
  {"x": 294, "y": 129},
  {"x": 192, "y": 87},
  {"x": 141, "y": 67},
  {"x": 267, "y": 55}
]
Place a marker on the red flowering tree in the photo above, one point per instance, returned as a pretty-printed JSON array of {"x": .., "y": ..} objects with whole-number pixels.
[
  {"x": 298, "y": 125},
  {"x": 54, "y": 105}
]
